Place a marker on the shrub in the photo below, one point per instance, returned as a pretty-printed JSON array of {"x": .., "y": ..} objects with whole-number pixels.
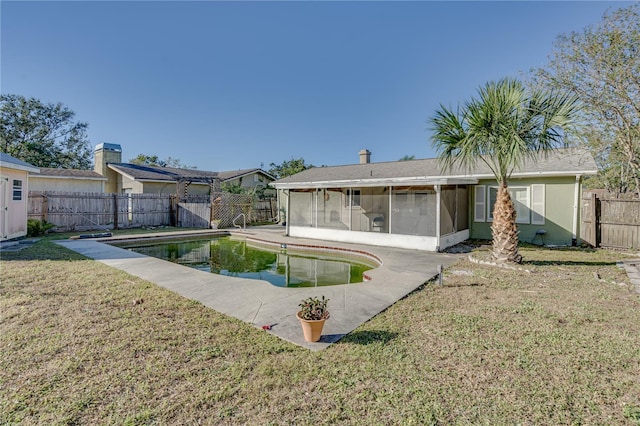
[{"x": 35, "y": 227}]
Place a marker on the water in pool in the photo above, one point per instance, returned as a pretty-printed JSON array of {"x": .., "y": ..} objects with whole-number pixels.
[{"x": 237, "y": 258}]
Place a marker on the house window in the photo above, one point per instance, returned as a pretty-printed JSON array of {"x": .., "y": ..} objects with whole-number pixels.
[
  {"x": 479, "y": 203},
  {"x": 17, "y": 190},
  {"x": 355, "y": 201},
  {"x": 520, "y": 199},
  {"x": 537, "y": 204}
]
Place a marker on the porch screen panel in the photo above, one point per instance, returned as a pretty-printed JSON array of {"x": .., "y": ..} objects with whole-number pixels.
[
  {"x": 301, "y": 205},
  {"x": 356, "y": 197},
  {"x": 378, "y": 212},
  {"x": 331, "y": 211},
  {"x": 462, "y": 208},
  {"x": 372, "y": 211},
  {"x": 413, "y": 213},
  {"x": 447, "y": 210}
]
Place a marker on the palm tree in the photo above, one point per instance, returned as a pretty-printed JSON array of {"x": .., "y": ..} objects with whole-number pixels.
[{"x": 503, "y": 127}]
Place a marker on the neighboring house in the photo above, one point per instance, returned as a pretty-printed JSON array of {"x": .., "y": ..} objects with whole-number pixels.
[
  {"x": 14, "y": 190},
  {"x": 65, "y": 180},
  {"x": 249, "y": 179},
  {"x": 416, "y": 205},
  {"x": 138, "y": 179}
]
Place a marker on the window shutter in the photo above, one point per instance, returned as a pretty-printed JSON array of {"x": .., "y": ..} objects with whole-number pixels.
[
  {"x": 537, "y": 204},
  {"x": 479, "y": 203}
]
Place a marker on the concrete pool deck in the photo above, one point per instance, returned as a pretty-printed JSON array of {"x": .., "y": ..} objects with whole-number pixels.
[{"x": 261, "y": 303}]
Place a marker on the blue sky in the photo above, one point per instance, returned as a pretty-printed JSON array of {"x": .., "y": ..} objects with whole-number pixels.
[{"x": 233, "y": 85}]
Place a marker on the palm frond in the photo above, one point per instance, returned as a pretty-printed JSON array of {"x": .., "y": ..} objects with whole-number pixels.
[{"x": 502, "y": 127}]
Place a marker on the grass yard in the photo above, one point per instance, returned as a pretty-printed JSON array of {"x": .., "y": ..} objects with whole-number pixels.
[{"x": 558, "y": 345}]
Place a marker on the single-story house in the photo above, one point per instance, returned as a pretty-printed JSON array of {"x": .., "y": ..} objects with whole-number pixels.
[
  {"x": 249, "y": 179},
  {"x": 137, "y": 179},
  {"x": 14, "y": 190},
  {"x": 66, "y": 180},
  {"x": 417, "y": 205}
]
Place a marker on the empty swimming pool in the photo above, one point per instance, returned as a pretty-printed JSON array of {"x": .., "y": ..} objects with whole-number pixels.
[{"x": 240, "y": 258}]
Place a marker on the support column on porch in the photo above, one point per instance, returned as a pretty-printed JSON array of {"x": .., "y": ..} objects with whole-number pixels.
[{"x": 438, "y": 201}]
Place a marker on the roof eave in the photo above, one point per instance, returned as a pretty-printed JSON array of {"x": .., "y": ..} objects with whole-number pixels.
[
  {"x": 256, "y": 171},
  {"x": 9, "y": 165},
  {"x": 69, "y": 177},
  {"x": 424, "y": 180},
  {"x": 543, "y": 174},
  {"x": 363, "y": 183}
]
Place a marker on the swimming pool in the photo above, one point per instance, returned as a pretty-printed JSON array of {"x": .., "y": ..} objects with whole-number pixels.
[{"x": 244, "y": 259}]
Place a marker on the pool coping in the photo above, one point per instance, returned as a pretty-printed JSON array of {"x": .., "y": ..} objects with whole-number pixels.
[{"x": 258, "y": 302}]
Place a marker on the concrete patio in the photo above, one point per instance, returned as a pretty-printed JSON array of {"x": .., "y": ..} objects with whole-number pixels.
[{"x": 261, "y": 303}]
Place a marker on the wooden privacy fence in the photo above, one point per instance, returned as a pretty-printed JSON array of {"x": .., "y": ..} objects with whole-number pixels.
[
  {"x": 610, "y": 222},
  {"x": 80, "y": 211},
  {"x": 75, "y": 211},
  {"x": 265, "y": 210}
]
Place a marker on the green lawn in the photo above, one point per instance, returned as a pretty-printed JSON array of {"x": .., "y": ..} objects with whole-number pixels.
[{"x": 557, "y": 345}]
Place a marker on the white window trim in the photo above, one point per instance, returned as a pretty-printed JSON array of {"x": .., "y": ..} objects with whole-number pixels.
[
  {"x": 524, "y": 221},
  {"x": 538, "y": 206},
  {"x": 479, "y": 203},
  {"x": 17, "y": 189},
  {"x": 350, "y": 197}
]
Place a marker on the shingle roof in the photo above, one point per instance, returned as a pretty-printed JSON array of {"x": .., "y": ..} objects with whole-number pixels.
[
  {"x": 557, "y": 163},
  {"x": 71, "y": 173},
  {"x": 140, "y": 172},
  {"x": 6, "y": 159},
  {"x": 233, "y": 174}
]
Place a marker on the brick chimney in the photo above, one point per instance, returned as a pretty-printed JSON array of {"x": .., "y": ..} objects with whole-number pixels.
[{"x": 365, "y": 156}]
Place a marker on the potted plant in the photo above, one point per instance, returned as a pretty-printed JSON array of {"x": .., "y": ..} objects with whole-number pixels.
[{"x": 312, "y": 315}]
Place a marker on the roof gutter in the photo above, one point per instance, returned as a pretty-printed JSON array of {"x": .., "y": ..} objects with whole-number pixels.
[
  {"x": 29, "y": 169},
  {"x": 365, "y": 183},
  {"x": 421, "y": 180},
  {"x": 68, "y": 177}
]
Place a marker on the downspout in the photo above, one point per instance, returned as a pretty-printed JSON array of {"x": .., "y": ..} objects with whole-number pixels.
[
  {"x": 437, "y": 217},
  {"x": 576, "y": 206}
]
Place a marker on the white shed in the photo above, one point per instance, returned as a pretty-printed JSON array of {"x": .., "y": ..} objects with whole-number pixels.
[{"x": 14, "y": 190}]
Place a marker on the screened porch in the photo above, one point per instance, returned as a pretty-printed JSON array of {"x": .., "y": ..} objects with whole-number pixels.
[{"x": 378, "y": 215}]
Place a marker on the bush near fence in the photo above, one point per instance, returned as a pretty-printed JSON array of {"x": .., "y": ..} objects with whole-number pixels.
[{"x": 75, "y": 211}]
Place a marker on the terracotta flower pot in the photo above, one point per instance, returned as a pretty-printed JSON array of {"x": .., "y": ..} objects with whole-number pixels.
[{"x": 312, "y": 329}]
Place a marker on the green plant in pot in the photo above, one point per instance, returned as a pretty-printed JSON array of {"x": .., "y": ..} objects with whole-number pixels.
[{"x": 312, "y": 315}]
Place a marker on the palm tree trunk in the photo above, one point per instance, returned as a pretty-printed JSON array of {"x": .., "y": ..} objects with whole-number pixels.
[{"x": 504, "y": 229}]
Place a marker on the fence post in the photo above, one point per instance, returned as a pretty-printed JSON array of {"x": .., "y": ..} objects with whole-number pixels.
[
  {"x": 273, "y": 204},
  {"x": 45, "y": 207},
  {"x": 593, "y": 232},
  {"x": 172, "y": 215},
  {"x": 115, "y": 211}
]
